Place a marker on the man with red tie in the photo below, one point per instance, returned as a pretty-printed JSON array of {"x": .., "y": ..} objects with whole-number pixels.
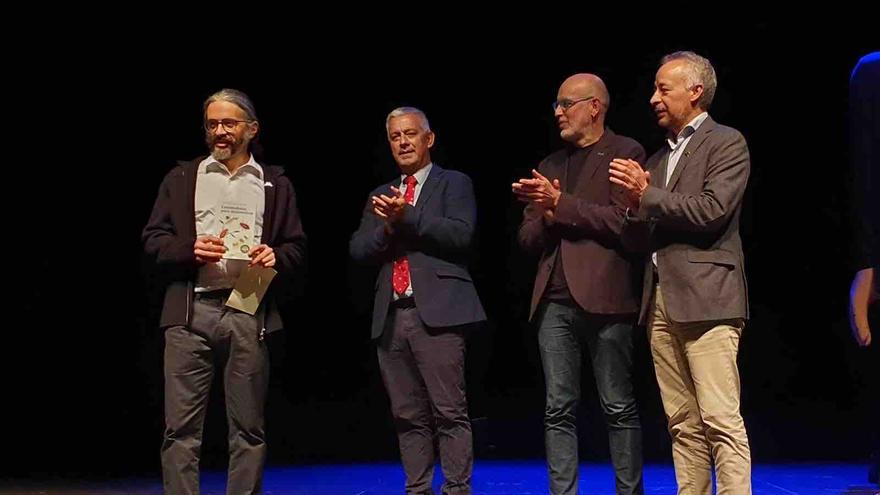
[{"x": 418, "y": 228}]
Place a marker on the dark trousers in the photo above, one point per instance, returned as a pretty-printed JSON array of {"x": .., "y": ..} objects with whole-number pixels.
[
  {"x": 423, "y": 372},
  {"x": 228, "y": 341},
  {"x": 564, "y": 333}
]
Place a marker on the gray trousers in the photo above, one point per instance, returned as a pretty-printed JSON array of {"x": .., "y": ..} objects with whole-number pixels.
[
  {"x": 423, "y": 372},
  {"x": 228, "y": 341}
]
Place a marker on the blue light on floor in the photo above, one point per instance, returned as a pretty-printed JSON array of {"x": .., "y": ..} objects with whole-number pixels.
[{"x": 490, "y": 478}]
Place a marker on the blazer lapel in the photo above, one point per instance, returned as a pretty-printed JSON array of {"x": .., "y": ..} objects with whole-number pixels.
[
  {"x": 429, "y": 187},
  {"x": 597, "y": 158},
  {"x": 698, "y": 138}
]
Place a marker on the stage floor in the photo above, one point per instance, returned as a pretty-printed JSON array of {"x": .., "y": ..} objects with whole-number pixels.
[{"x": 490, "y": 478}]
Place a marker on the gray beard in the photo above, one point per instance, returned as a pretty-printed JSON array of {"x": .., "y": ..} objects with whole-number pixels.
[{"x": 222, "y": 154}]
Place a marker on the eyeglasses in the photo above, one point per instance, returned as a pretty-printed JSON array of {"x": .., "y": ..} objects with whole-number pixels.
[
  {"x": 566, "y": 103},
  {"x": 228, "y": 124}
]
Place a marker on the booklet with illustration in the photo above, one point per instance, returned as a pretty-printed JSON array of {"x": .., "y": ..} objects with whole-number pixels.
[{"x": 238, "y": 221}]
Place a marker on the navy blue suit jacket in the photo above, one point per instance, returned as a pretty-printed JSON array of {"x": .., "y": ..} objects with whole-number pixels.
[{"x": 436, "y": 237}]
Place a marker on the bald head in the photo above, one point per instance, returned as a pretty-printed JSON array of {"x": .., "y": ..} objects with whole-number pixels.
[
  {"x": 584, "y": 85},
  {"x": 581, "y": 105}
]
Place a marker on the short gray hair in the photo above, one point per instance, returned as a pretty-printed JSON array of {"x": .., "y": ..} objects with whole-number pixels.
[
  {"x": 698, "y": 71},
  {"x": 401, "y": 111},
  {"x": 234, "y": 96}
]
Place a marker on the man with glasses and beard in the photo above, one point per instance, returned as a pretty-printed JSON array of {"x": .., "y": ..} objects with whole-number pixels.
[
  {"x": 586, "y": 298},
  {"x": 186, "y": 237}
]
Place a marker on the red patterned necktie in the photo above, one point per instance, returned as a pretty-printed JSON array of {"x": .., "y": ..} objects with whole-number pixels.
[{"x": 400, "y": 271}]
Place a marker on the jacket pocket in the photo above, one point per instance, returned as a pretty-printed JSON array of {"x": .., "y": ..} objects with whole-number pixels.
[
  {"x": 723, "y": 258},
  {"x": 446, "y": 273}
]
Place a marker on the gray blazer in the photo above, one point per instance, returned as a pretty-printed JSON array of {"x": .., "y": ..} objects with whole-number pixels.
[{"x": 693, "y": 226}]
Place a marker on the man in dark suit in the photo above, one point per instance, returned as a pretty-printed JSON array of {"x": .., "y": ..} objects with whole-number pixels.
[
  {"x": 684, "y": 209},
  {"x": 864, "y": 132},
  {"x": 585, "y": 297},
  {"x": 418, "y": 229}
]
